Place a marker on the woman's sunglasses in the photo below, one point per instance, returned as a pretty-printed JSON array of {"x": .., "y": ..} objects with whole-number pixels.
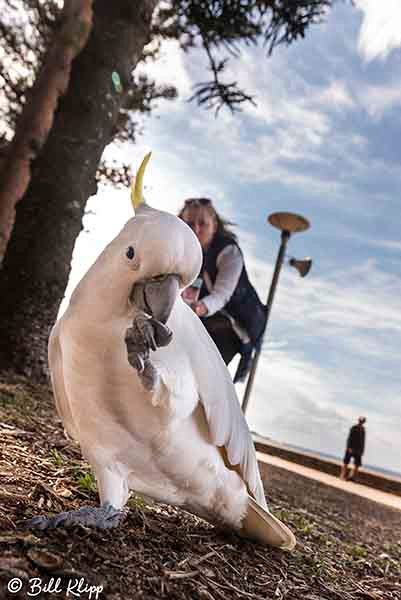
[{"x": 197, "y": 201}]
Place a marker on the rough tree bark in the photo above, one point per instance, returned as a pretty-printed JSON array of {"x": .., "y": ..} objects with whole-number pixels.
[
  {"x": 37, "y": 117},
  {"x": 49, "y": 217}
]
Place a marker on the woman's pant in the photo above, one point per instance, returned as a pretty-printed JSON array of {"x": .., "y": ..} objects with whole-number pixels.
[{"x": 220, "y": 330}]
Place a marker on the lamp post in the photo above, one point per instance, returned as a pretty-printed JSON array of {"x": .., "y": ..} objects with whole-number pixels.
[{"x": 288, "y": 223}]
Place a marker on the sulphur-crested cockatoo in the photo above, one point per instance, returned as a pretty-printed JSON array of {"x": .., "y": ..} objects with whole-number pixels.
[{"x": 141, "y": 386}]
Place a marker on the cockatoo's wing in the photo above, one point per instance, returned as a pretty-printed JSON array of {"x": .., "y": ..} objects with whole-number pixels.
[
  {"x": 227, "y": 426},
  {"x": 228, "y": 429},
  {"x": 57, "y": 377}
]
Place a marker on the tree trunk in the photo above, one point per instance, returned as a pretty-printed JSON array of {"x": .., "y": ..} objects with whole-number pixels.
[
  {"x": 36, "y": 266},
  {"x": 36, "y": 119}
]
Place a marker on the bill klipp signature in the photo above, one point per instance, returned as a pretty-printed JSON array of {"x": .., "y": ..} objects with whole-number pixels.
[{"x": 71, "y": 588}]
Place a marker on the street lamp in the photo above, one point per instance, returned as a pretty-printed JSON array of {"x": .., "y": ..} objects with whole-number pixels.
[{"x": 288, "y": 223}]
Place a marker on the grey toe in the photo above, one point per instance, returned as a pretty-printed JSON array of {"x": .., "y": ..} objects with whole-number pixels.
[{"x": 103, "y": 517}]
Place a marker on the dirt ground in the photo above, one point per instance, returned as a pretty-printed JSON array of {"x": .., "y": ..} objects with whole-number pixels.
[{"x": 349, "y": 548}]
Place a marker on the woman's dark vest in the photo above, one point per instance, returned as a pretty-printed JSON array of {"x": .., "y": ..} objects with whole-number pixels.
[{"x": 244, "y": 305}]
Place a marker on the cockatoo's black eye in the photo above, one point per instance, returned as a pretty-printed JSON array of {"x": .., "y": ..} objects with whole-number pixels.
[{"x": 130, "y": 252}]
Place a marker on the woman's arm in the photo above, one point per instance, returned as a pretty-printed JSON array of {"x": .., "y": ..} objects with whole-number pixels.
[{"x": 229, "y": 266}]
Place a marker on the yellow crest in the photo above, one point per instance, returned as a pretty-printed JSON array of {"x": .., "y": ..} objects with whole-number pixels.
[{"x": 137, "y": 185}]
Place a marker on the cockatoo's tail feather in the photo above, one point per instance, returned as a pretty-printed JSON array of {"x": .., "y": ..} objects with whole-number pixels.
[
  {"x": 137, "y": 185},
  {"x": 260, "y": 525}
]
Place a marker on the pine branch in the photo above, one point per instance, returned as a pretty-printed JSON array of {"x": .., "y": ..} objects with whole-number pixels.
[{"x": 227, "y": 24}]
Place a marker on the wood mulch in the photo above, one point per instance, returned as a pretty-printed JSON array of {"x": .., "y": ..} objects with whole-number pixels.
[{"x": 349, "y": 548}]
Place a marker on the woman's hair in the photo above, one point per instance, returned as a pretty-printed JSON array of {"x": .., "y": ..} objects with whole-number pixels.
[{"x": 223, "y": 226}]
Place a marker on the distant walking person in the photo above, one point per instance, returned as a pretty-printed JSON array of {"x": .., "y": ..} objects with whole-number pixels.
[{"x": 355, "y": 449}]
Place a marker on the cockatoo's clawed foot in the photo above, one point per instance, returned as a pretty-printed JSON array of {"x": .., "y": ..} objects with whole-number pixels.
[
  {"x": 136, "y": 359},
  {"x": 149, "y": 376},
  {"x": 137, "y": 351},
  {"x": 162, "y": 334},
  {"x": 146, "y": 334},
  {"x": 135, "y": 340},
  {"x": 102, "y": 517}
]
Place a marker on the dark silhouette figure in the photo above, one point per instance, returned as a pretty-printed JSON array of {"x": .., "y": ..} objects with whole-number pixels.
[{"x": 355, "y": 449}]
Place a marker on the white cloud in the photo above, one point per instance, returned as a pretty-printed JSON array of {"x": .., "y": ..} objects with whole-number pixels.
[
  {"x": 379, "y": 243},
  {"x": 378, "y": 99},
  {"x": 292, "y": 122},
  {"x": 343, "y": 304},
  {"x": 337, "y": 96},
  {"x": 380, "y": 32},
  {"x": 387, "y": 244},
  {"x": 338, "y": 309}
]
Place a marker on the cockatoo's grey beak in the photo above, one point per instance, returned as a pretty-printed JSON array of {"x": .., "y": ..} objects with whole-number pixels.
[{"x": 156, "y": 296}]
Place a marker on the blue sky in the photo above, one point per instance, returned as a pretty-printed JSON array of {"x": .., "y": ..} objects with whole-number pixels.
[{"x": 323, "y": 141}]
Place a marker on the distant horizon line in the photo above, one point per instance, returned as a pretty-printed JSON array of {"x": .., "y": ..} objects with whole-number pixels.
[{"x": 328, "y": 455}]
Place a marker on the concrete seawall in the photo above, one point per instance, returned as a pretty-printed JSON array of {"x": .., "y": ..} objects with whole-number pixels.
[{"x": 367, "y": 477}]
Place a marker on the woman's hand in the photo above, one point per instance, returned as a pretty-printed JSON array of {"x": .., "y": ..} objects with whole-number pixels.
[{"x": 200, "y": 309}]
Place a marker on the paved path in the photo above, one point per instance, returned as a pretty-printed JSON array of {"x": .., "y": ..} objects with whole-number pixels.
[{"x": 348, "y": 486}]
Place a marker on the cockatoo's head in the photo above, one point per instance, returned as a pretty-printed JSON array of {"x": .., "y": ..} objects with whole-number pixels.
[{"x": 158, "y": 252}]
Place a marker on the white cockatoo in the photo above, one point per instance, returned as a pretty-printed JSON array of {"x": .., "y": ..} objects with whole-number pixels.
[{"x": 141, "y": 386}]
